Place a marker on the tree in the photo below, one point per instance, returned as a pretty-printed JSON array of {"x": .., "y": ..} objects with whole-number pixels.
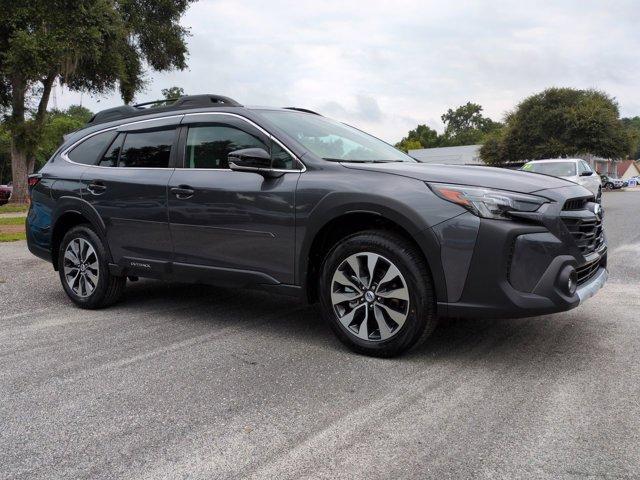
[
  {"x": 463, "y": 126},
  {"x": 58, "y": 124},
  {"x": 466, "y": 125},
  {"x": 632, "y": 125},
  {"x": 5, "y": 154},
  {"x": 172, "y": 93},
  {"x": 87, "y": 45},
  {"x": 422, "y": 137},
  {"x": 559, "y": 122}
]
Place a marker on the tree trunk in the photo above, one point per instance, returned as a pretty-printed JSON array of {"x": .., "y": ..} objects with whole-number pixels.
[
  {"x": 31, "y": 164},
  {"x": 22, "y": 157},
  {"x": 19, "y": 165},
  {"x": 19, "y": 169}
]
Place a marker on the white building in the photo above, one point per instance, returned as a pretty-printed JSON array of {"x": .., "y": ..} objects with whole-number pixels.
[{"x": 463, "y": 155}]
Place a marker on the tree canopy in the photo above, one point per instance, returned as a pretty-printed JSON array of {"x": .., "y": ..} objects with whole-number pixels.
[
  {"x": 57, "y": 124},
  {"x": 466, "y": 125},
  {"x": 463, "y": 126},
  {"x": 421, "y": 137},
  {"x": 93, "y": 46},
  {"x": 632, "y": 126},
  {"x": 559, "y": 122},
  {"x": 172, "y": 93}
]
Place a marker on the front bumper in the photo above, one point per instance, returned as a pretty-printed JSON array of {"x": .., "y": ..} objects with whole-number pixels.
[
  {"x": 516, "y": 268},
  {"x": 589, "y": 289}
]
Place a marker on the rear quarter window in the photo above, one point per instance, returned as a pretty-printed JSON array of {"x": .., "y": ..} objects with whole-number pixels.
[{"x": 90, "y": 150}]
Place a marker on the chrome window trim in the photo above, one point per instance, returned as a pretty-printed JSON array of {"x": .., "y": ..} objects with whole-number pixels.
[
  {"x": 65, "y": 157},
  {"x": 258, "y": 127}
]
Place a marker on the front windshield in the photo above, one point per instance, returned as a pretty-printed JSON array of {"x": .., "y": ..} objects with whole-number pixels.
[
  {"x": 556, "y": 169},
  {"x": 333, "y": 140}
]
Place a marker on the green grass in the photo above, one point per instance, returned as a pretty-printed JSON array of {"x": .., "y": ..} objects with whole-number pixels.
[
  {"x": 12, "y": 221},
  {"x": 14, "y": 208},
  {"x": 12, "y": 237}
]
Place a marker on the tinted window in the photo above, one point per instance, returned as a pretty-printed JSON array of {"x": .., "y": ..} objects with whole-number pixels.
[
  {"x": 556, "y": 169},
  {"x": 208, "y": 146},
  {"x": 280, "y": 158},
  {"x": 90, "y": 150},
  {"x": 110, "y": 158},
  {"x": 147, "y": 149}
]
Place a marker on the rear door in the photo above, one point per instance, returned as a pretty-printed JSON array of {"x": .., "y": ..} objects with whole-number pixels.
[
  {"x": 238, "y": 226},
  {"x": 128, "y": 189}
]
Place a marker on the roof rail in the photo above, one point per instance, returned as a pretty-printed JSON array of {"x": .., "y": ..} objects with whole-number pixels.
[
  {"x": 182, "y": 103},
  {"x": 305, "y": 110}
]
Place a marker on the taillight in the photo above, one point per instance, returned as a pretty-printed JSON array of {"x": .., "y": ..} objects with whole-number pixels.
[{"x": 34, "y": 179}]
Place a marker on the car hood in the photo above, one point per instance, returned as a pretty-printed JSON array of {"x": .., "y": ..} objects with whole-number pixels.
[{"x": 489, "y": 177}]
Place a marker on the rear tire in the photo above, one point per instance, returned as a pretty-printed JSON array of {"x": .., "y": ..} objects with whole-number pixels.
[
  {"x": 83, "y": 266},
  {"x": 384, "y": 312}
]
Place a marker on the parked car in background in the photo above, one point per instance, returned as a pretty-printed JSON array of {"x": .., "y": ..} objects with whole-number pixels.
[
  {"x": 5, "y": 193},
  {"x": 611, "y": 183},
  {"x": 634, "y": 181},
  {"x": 573, "y": 169}
]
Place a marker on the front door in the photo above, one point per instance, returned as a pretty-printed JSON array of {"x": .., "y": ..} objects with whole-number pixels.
[
  {"x": 588, "y": 178},
  {"x": 128, "y": 188},
  {"x": 235, "y": 226}
]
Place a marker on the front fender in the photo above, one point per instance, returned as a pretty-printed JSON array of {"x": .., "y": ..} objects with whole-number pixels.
[{"x": 339, "y": 204}]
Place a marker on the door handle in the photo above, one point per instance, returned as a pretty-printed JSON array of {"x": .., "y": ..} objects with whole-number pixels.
[
  {"x": 97, "y": 187},
  {"x": 183, "y": 192}
]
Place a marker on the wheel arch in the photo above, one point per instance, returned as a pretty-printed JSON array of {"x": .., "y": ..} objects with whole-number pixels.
[
  {"x": 70, "y": 212},
  {"x": 337, "y": 225}
]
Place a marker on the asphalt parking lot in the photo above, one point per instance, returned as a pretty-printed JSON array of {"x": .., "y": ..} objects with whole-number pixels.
[{"x": 196, "y": 382}]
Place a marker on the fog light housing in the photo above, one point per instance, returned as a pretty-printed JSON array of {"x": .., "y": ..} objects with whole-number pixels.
[{"x": 568, "y": 280}]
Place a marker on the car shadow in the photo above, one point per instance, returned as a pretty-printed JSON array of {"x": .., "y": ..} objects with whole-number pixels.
[{"x": 293, "y": 320}]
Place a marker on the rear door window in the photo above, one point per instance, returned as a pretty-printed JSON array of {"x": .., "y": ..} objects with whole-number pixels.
[
  {"x": 150, "y": 149},
  {"x": 89, "y": 151}
]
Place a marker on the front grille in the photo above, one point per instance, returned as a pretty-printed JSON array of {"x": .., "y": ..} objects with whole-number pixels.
[
  {"x": 576, "y": 203},
  {"x": 586, "y": 232},
  {"x": 587, "y": 272}
]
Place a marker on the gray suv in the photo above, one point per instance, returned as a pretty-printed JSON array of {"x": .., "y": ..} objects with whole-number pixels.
[{"x": 206, "y": 190}]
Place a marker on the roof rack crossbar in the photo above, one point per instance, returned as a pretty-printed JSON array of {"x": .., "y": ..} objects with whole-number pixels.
[
  {"x": 168, "y": 101},
  {"x": 182, "y": 103},
  {"x": 305, "y": 110}
]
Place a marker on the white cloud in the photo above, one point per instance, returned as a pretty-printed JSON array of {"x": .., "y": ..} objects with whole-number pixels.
[{"x": 385, "y": 66}]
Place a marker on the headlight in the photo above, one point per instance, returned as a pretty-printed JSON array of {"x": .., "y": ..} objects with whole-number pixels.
[{"x": 487, "y": 202}]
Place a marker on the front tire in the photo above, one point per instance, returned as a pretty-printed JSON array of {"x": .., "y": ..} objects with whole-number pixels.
[
  {"x": 376, "y": 293},
  {"x": 83, "y": 266}
]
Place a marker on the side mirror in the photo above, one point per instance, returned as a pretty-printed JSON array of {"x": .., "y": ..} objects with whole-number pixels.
[
  {"x": 586, "y": 174},
  {"x": 256, "y": 160}
]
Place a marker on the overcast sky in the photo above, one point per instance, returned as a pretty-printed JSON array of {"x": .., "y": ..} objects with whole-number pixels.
[{"x": 387, "y": 66}]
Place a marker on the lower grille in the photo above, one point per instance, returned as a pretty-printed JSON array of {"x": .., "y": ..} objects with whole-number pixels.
[{"x": 587, "y": 272}]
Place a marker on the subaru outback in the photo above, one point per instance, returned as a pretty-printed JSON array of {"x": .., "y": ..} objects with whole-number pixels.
[{"x": 209, "y": 191}]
